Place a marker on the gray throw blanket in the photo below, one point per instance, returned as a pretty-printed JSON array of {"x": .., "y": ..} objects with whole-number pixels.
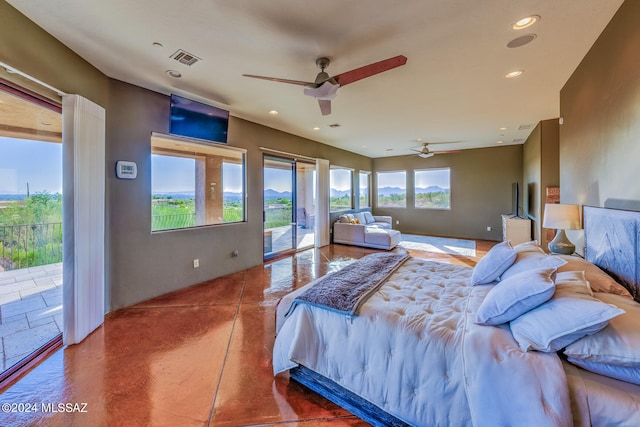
[{"x": 346, "y": 290}]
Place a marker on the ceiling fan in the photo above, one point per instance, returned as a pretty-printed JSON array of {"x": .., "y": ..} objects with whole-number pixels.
[
  {"x": 425, "y": 153},
  {"x": 325, "y": 87}
]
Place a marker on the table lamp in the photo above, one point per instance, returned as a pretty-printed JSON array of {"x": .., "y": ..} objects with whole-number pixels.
[{"x": 561, "y": 217}]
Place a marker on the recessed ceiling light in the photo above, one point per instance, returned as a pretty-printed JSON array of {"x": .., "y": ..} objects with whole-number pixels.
[
  {"x": 525, "y": 22},
  {"x": 419, "y": 139},
  {"x": 273, "y": 112},
  {"x": 503, "y": 128},
  {"x": 157, "y": 44},
  {"x": 499, "y": 142},
  {"x": 45, "y": 123},
  {"x": 389, "y": 149},
  {"x": 173, "y": 73},
  {"x": 316, "y": 128},
  {"x": 334, "y": 125},
  {"x": 513, "y": 74}
]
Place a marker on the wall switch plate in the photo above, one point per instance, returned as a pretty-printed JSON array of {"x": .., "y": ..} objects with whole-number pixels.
[
  {"x": 196, "y": 263},
  {"x": 489, "y": 228},
  {"x": 397, "y": 222}
]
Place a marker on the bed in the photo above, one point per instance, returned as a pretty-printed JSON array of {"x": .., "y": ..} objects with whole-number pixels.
[{"x": 439, "y": 344}]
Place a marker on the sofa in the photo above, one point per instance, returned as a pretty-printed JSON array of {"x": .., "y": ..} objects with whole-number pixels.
[{"x": 364, "y": 229}]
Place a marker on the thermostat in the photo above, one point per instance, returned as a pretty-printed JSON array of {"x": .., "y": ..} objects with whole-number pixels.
[{"x": 126, "y": 170}]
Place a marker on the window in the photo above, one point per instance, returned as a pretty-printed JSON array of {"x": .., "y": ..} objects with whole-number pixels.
[
  {"x": 432, "y": 189},
  {"x": 340, "y": 189},
  {"x": 195, "y": 184},
  {"x": 392, "y": 189},
  {"x": 365, "y": 189}
]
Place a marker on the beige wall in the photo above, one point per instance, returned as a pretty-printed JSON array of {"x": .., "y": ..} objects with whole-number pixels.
[
  {"x": 600, "y": 107},
  {"x": 480, "y": 192},
  {"x": 541, "y": 169}
]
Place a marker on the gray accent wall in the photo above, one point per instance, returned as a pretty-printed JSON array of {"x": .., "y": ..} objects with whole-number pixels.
[
  {"x": 541, "y": 169},
  {"x": 480, "y": 192},
  {"x": 600, "y": 109}
]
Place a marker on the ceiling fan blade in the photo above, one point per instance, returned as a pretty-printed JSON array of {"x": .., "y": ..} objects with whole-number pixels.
[
  {"x": 325, "y": 106},
  {"x": 445, "y": 152},
  {"x": 370, "y": 70},
  {"x": 275, "y": 79}
]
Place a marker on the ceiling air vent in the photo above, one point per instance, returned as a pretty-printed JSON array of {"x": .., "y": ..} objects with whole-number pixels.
[
  {"x": 525, "y": 127},
  {"x": 185, "y": 57}
]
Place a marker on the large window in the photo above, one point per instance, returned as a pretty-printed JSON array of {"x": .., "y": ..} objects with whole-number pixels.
[
  {"x": 365, "y": 189},
  {"x": 340, "y": 189},
  {"x": 392, "y": 189},
  {"x": 195, "y": 184},
  {"x": 432, "y": 189}
]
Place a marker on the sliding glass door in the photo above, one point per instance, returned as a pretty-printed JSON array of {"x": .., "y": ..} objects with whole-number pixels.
[
  {"x": 288, "y": 205},
  {"x": 30, "y": 228}
]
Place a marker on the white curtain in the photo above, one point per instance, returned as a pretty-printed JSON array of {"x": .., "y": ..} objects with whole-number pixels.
[
  {"x": 322, "y": 237},
  {"x": 83, "y": 289}
]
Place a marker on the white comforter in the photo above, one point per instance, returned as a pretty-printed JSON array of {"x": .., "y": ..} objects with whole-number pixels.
[{"x": 415, "y": 351}]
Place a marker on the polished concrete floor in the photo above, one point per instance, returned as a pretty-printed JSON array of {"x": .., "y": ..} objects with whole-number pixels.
[{"x": 197, "y": 357}]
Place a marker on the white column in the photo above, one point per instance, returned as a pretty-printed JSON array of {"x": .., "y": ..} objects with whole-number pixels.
[
  {"x": 83, "y": 289},
  {"x": 322, "y": 237}
]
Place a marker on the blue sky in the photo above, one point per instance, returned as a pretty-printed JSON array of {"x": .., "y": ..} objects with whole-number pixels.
[
  {"x": 37, "y": 163},
  {"x": 177, "y": 175},
  {"x": 423, "y": 179}
]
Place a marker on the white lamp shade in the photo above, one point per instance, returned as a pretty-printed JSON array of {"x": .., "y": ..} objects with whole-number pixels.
[{"x": 561, "y": 217}]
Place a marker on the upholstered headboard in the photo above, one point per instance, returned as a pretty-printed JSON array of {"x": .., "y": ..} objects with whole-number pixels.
[{"x": 612, "y": 242}]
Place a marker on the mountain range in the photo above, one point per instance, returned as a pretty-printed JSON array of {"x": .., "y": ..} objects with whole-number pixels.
[
  {"x": 387, "y": 191},
  {"x": 270, "y": 194}
]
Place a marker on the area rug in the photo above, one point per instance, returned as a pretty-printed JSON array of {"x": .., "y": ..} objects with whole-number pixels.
[{"x": 443, "y": 245}]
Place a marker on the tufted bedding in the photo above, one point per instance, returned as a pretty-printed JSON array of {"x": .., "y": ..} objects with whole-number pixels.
[{"x": 415, "y": 352}]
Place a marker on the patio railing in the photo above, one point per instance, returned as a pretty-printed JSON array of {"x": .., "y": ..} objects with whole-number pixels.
[{"x": 30, "y": 245}]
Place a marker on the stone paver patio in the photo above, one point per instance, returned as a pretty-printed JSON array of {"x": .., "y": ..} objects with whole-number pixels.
[{"x": 30, "y": 310}]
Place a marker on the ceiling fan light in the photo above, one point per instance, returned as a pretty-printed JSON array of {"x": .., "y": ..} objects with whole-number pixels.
[
  {"x": 425, "y": 155},
  {"x": 326, "y": 91}
]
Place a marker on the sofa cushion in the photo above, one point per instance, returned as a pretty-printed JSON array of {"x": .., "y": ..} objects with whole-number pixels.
[
  {"x": 360, "y": 217},
  {"x": 368, "y": 218},
  {"x": 380, "y": 237}
]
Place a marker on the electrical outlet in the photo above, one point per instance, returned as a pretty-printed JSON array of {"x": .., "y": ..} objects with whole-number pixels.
[
  {"x": 489, "y": 228},
  {"x": 196, "y": 263}
]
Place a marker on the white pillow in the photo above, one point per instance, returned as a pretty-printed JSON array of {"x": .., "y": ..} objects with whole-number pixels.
[
  {"x": 360, "y": 217},
  {"x": 531, "y": 246},
  {"x": 617, "y": 344},
  {"x": 624, "y": 373},
  {"x": 368, "y": 217},
  {"x": 516, "y": 295},
  {"x": 574, "y": 281},
  {"x": 530, "y": 259},
  {"x": 598, "y": 279},
  {"x": 568, "y": 316},
  {"x": 493, "y": 264}
]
